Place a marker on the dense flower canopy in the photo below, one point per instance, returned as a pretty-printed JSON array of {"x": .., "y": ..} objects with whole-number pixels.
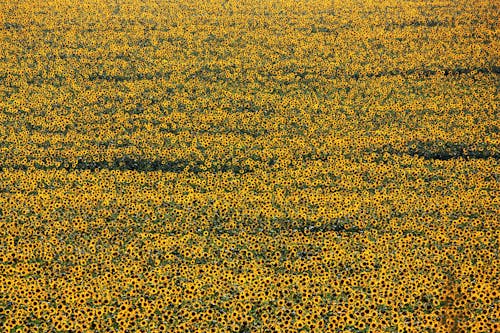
[{"x": 249, "y": 166}]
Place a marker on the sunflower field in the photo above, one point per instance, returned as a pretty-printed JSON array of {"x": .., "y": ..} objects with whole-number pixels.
[{"x": 249, "y": 166}]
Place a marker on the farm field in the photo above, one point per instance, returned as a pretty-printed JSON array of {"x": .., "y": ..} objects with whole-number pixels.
[{"x": 249, "y": 166}]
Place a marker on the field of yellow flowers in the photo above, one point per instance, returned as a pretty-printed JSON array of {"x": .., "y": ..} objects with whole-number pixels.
[{"x": 249, "y": 166}]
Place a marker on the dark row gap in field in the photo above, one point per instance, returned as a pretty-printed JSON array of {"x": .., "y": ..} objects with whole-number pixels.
[
  {"x": 202, "y": 74},
  {"x": 206, "y": 73},
  {"x": 285, "y": 225},
  {"x": 136, "y": 164},
  {"x": 443, "y": 150},
  {"x": 431, "y": 150},
  {"x": 197, "y": 167},
  {"x": 146, "y": 165},
  {"x": 10, "y": 25},
  {"x": 430, "y": 72}
]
